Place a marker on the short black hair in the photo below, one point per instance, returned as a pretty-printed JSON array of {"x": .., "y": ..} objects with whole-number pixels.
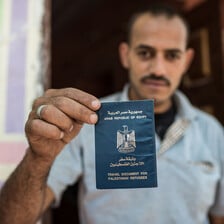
[{"x": 156, "y": 9}]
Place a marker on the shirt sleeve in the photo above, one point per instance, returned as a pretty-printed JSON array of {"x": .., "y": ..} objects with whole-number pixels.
[
  {"x": 66, "y": 169},
  {"x": 218, "y": 207}
]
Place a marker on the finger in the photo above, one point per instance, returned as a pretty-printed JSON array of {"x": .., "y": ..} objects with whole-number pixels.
[
  {"x": 68, "y": 136},
  {"x": 75, "y": 94},
  {"x": 54, "y": 116},
  {"x": 71, "y": 108},
  {"x": 41, "y": 128}
]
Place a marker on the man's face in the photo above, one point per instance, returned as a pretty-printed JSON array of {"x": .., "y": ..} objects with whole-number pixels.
[{"x": 156, "y": 58}]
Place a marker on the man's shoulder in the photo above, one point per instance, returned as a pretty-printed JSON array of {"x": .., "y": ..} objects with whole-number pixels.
[
  {"x": 203, "y": 118},
  {"x": 209, "y": 121}
]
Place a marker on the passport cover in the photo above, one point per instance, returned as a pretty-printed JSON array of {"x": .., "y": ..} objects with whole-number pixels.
[{"x": 125, "y": 153}]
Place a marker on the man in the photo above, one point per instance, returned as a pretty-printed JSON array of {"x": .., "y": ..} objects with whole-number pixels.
[{"x": 189, "y": 142}]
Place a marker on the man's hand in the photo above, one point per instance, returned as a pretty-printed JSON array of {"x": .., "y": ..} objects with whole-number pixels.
[
  {"x": 25, "y": 194},
  {"x": 60, "y": 120}
]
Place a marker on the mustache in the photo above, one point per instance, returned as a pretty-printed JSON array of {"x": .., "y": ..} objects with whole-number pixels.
[{"x": 154, "y": 77}]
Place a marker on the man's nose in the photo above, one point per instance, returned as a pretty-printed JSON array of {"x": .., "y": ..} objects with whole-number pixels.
[{"x": 158, "y": 66}]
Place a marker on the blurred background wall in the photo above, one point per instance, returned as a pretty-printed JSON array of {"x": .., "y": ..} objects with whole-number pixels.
[{"x": 22, "y": 69}]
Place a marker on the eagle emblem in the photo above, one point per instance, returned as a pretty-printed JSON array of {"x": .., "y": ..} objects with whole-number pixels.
[{"x": 126, "y": 140}]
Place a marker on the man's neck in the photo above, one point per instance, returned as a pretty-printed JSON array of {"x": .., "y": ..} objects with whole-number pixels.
[
  {"x": 162, "y": 107},
  {"x": 164, "y": 120}
]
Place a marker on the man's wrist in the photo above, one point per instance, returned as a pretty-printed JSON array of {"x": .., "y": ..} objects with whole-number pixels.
[{"x": 38, "y": 166}]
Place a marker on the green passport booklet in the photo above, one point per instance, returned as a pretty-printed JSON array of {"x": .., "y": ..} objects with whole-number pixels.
[{"x": 125, "y": 151}]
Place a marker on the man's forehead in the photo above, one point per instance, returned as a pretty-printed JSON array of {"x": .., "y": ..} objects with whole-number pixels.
[
  {"x": 150, "y": 19},
  {"x": 159, "y": 28}
]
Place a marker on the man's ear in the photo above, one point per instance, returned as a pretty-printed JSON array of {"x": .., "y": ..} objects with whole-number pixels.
[
  {"x": 189, "y": 58},
  {"x": 123, "y": 52}
]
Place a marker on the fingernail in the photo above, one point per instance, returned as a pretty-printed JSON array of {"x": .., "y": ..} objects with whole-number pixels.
[
  {"x": 96, "y": 103},
  {"x": 71, "y": 128},
  {"x": 61, "y": 135},
  {"x": 93, "y": 118}
]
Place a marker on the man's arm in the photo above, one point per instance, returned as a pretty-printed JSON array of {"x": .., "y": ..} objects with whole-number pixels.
[{"x": 25, "y": 195}]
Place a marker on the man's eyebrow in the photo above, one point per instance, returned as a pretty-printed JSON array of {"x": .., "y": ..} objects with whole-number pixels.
[
  {"x": 148, "y": 47},
  {"x": 143, "y": 46},
  {"x": 174, "y": 50}
]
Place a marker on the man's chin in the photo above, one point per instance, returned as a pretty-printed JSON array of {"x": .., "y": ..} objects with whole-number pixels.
[
  {"x": 149, "y": 94},
  {"x": 153, "y": 96}
]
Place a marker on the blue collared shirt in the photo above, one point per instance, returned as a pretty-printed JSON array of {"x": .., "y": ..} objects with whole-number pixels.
[{"x": 190, "y": 163}]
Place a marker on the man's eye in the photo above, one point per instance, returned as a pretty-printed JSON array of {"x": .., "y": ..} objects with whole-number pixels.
[
  {"x": 145, "y": 54},
  {"x": 171, "y": 56}
]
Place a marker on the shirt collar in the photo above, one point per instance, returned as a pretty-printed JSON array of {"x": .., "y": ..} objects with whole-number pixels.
[
  {"x": 124, "y": 93},
  {"x": 184, "y": 107}
]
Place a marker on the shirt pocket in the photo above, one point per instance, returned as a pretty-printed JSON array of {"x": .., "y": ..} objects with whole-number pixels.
[
  {"x": 205, "y": 166},
  {"x": 206, "y": 175}
]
